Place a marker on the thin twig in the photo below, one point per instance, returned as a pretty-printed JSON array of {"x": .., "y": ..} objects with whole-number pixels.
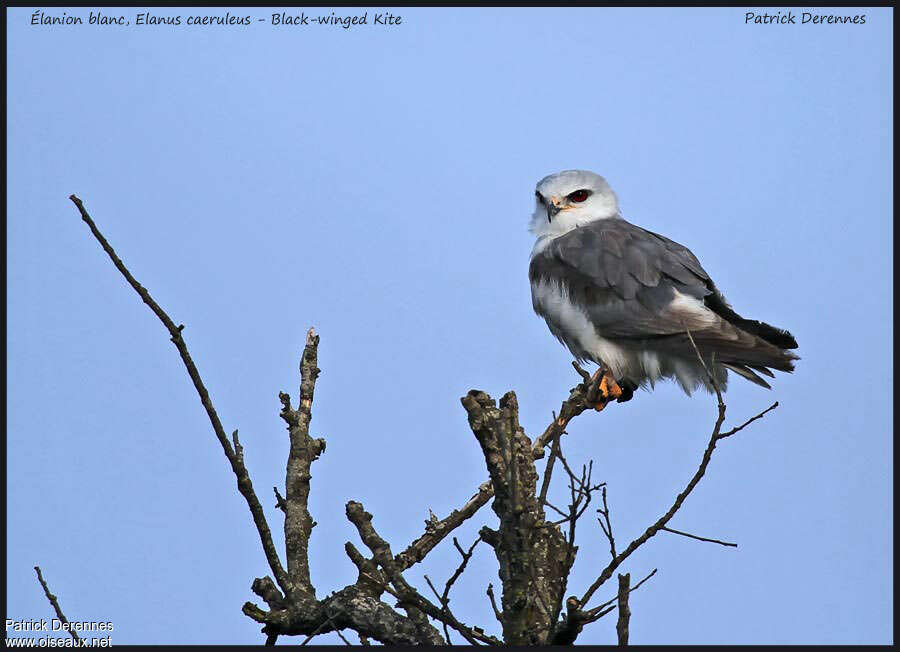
[
  {"x": 54, "y": 602},
  {"x": 245, "y": 486},
  {"x": 601, "y": 610},
  {"x": 432, "y": 587},
  {"x": 575, "y": 511},
  {"x": 279, "y": 500},
  {"x": 466, "y": 556},
  {"x": 748, "y": 421},
  {"x": 680, "y": 498},
  {"x": 694, "y": 536},
  {"x": 712, "y": 380},
  {"x": 653, "y": 529},
  {"x": 607, "y": 529},
  {"x": 322, "y": 626},
  {"x": 490, "y": 595},
  {"x": 548, "y": 469},
  {"x": 438, "y": 596},
  {"x": 558, "y": 511}
]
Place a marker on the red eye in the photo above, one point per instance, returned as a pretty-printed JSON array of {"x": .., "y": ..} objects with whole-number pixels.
[{"x": 579, "y": 195}]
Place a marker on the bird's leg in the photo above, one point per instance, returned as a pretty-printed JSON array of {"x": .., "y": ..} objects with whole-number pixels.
[{"x": 606, "y": 390}]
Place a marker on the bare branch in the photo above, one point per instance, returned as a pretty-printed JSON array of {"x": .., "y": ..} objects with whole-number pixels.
[
  {"x": 352, "y": 607},
  {"x": 585, "y": 376},
  {"x": 576, "y": 619},
  {"x": 490, "y": 595},
  {"x": 749, "y": 421},
  {"x": 624, "y": 611},
  {"x": 600, "y": 610},
  {"x": 265, "y": 588},
  {"x": 694, "y": 536},
  {"x": 279, "y": 500},
  {"x": 466, "y": 556},
  {"x": 535, "y": 556},
  {"x": 304, "y": 450},
  {"x": 575, "y": 511},
  {"x": 436, "y": 531},
  {"x": 659, "y": 524},
  {"x": 548, "y": 469},
  {"x": 607, "y": 528},
  {"x": 573, "y": 406},
  {"x": 558, "y": 511},
  {"x": 245, "y": 486},
  {"x": 680, "y": 498},
  {"x": 54, "y": 602},
  {"x": 413, "y": 601},
  {"x": 443, "y": 605}
]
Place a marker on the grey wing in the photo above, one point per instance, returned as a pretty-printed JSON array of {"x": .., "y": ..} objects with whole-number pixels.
[
  {"x": 631, "y": 283},
  {"x": 637, "y": 286}
]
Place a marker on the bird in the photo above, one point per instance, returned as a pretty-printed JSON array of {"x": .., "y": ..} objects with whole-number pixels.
[{"x": 636, "y": 303}]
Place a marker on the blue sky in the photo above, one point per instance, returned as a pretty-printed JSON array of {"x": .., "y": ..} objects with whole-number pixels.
[{"x": 376, "y": 183}]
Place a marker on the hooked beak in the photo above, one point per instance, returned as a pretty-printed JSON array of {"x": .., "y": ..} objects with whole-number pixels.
[{"x": 552, "y": 206}]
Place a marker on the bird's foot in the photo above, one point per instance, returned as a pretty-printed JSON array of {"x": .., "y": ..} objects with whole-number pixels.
[
  {"x": 607, "y": 390},
  {"x": 628, "y": 388}
]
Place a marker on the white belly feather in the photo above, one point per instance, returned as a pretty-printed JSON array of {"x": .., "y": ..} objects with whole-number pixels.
[
  {"x": 578, "y": 333},
  {"x": 571, "y": 325}
]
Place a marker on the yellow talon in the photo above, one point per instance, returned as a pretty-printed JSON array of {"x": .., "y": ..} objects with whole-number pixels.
[{"x": 609, "y": 390}]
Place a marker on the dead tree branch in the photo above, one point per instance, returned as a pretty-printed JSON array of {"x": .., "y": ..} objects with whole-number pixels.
[
  {"x": 578, "y": 402},
  {"x": 576, "y": 619},
  {"x": 54, "y": 602},
  {"x": 694, "y": 536},
  {"x": 680, "y": 498},
  {"x": 416, "y": 605},
  {"x": 304, "y": 450},
  {"x": 436, "y": 531},
  {"x": 534, "y": 556},
  {"x": 294, "y": 610},
  {"x": 235, "y": 458},
  {"x": 532, "y": 559},
  {"x": 607, "y": 527},
  {"x": 624, "y": 611}
]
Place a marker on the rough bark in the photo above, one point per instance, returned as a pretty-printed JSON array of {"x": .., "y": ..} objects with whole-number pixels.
[
  {"x": 531, "y": 554},
  {"x": 304, "y": 450}
]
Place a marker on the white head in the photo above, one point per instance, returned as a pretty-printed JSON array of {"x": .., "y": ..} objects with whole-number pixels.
[{"x": 568, "y": 199}]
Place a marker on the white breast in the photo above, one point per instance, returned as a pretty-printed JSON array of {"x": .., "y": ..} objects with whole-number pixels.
[{"x": 552, "y": 302}]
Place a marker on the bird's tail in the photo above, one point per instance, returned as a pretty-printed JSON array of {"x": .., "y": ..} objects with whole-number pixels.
[{"x": 749, "y": 372}]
